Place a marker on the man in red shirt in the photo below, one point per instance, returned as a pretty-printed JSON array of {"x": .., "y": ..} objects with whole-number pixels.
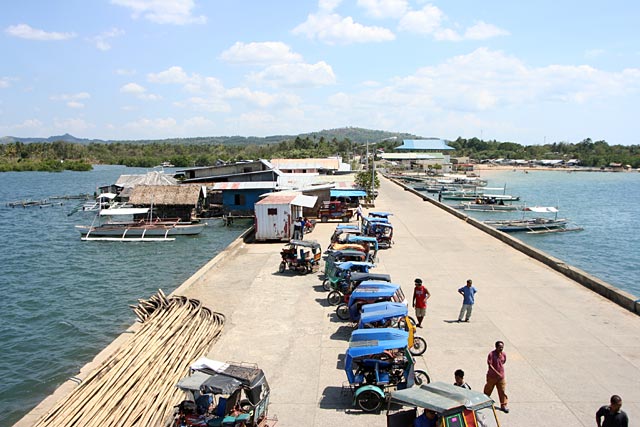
[
  {"x": 420, "y": 296},
  {"x": 495, "y": 375}
]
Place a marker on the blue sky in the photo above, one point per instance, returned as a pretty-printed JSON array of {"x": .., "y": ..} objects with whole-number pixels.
[{"x": 528, "y": 72}]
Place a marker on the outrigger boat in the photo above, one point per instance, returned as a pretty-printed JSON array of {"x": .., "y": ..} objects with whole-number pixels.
[
  {"x": 537, "y": 225},
  {"x": 488, "y": 204},
  {"x": 141, "y": 230}
]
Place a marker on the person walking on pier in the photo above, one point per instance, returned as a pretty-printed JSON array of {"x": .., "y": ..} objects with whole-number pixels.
[
  {"x": 459, "y": 376},
  {"x": 468, "y": 293},
  {"x": 419, "y": 301},
  {"x": 613, "y": 415},
  {"x": 495, "y": 375}
]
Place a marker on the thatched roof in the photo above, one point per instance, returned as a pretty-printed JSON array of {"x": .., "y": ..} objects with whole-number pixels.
[{"x": 165, "y": 195}]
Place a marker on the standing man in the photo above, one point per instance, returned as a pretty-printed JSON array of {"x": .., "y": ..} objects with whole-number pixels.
[
  {"x": 613, "y": 416},
  {"x": 468, "y": 298},
  {"x": 359, "y": 212},
  {"x": 459, "y": 376},
  {"x": 420, "y": 296},
  {"x": 495, "y": 375}
]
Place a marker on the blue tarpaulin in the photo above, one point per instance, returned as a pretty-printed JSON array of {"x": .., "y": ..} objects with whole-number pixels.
[{"x": 348, "y": 193}]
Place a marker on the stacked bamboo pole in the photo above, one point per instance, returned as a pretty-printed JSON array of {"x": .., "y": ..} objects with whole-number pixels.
[{"x": 136, "y": 385}]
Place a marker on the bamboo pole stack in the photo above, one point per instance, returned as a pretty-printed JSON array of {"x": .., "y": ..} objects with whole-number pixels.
[{"x": 136, "y": 385}]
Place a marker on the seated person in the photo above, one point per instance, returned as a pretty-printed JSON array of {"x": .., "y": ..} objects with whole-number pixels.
[{"x": 427, "y": 419}]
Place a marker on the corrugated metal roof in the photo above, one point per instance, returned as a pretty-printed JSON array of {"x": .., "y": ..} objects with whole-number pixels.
[
  {"x": 424, "y": 144},
  {"x": 165, "y": 195},
  {"x": 278, "y": 199},
  {"x": 348, "y": 193},
  {"x": 150, "y": 178},
  {"x": 242, "y": 185},
  {"x": 411, "y": 156},
  {"x": 306, "y": 163},
  {"x": 305, "y": 201}
]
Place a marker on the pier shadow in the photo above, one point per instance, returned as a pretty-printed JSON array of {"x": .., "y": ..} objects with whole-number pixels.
[
  {"x": 452, "y": 321},
  {"x": 334, "y": 397},
  {"x": 343, "y": 333},
  {"x": 324, "y": 303}
]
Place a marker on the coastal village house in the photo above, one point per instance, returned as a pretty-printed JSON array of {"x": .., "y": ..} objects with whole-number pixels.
[
  {"x": 170, "y": 201},
  {"x": 421, "y": 154},
  {"x": 276, "y": 213},
  {"x": 328, "y": 166}
]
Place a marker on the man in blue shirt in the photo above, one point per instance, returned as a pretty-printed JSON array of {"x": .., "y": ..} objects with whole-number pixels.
[
  {"x": 427, "y": 419},
  {"x": 468, "y": 293}
]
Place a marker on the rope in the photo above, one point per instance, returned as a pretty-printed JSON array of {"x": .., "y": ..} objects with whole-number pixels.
[{"x": 136, "y": 385}]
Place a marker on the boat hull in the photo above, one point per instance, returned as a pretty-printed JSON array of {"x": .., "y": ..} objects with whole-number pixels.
[
  {"x": 136, "y": 231},
  {"x": 527, "y": 225}
]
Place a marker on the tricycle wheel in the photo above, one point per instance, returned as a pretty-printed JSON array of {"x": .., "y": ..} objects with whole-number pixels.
[
  {"x": 419, "y": 346},
  {"x": 324, "y": 218},
  {"x": 421, "y": 377},
  {"x": 342, "y": 311},
  {"x": 345, "y": 219},
  {"x": 334, "y": 297},
  {"x": 326, "y": 285},
  {"x": 283, "y": 267},
  {"x": 369, "y": 401}
]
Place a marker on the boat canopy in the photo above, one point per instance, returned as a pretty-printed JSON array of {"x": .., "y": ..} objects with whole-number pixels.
[
  {"x": 107, "y": 196},
  {"x": 124, "y": 211},
  {"x": 542, "y": 209}
]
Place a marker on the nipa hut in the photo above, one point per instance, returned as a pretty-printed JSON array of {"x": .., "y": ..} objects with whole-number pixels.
[{"x": 170, "y": 201}]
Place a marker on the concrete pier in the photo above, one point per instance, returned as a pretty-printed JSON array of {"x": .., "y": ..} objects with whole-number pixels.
[{"x": 569, "y": 349}]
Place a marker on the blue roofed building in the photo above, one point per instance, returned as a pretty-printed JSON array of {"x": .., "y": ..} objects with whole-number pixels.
[{"x": 421, "y": 154}]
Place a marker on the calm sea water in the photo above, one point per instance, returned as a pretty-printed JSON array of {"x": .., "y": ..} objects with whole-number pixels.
[
  {"x": 64, "y": 300},
  {"x": 605, "y": 204}
]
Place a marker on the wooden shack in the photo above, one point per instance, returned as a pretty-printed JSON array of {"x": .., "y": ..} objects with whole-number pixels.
[{"x": 170, "y": 201}]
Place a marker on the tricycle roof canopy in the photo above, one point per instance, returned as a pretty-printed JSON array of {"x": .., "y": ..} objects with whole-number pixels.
[
  {"x": 306, "y": 243},
  {"x": 211, "y": 376},
  {"x": 441, "y": 397}
]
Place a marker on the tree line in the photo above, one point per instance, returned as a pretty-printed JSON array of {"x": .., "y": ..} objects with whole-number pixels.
[{"x": 61, "y": 155}]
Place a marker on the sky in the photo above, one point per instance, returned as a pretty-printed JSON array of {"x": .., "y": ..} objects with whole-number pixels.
[{"x": 526, "y": 72}]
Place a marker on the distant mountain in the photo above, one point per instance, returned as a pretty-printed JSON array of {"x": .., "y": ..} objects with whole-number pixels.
[
  {"x": 356, "y": 135},
  {"x": 66, "y": 138}
]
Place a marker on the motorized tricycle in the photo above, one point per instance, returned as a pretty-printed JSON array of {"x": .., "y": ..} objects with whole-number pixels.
[
  {"x": 342, "y": 230},
  {"x": 383, "y": 233},
  {"x": 334, "y": 257},
  {"x": 379, "y": 214},
  {"x": 368, "y": 244},
  {"x": 378, "y": 360},
  {"x": 342, "y": 272},
  {"x": 341, "y": 294},
  {"x": 301, "y": 255},
  {"x": 453, "y": 406},
  {"x": 224, "y": 394},
  {"x": 369, "y": 220},
  {"x": 393, "y": 315},
  {"x": 369, "y": 292}
]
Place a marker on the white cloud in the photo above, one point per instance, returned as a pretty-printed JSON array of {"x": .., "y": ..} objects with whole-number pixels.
[
  {"x": 384, "y": 8},
  {"x": 483, "y": 31},
  {"x": 594, "y": 53},
  {"x": 124, "y": 72},
  {"x": 73, "y": 126},
  {"x": 139, "y": 91},
  {"x": 334, "y": 29},
  {"x": 489, "y": 80},
  {"x": 262, "y": 99},
  {"x": 5, "y": 82},
  {"x": 29, "y": 124},
  {"x": 24, "y": 31},
  {"x": 263, "y": 53},
  {"x": 152, "y": 126},
  {"x": 429, "y": 21},
  {"x": 296, "y": 75},
  {"x": 424, "y": 21},
  {"x": 211, "y": 104},
  {"x": 134, "y": 88},
  {"x": 198, "y": 122},
  {"x": 173, "y": 74},
  {"x": 102, "y": 40},
  {"x": 177, "y": 12},
  {"x": 72, "y": 99},
  {"x": 328, "y": 5}
]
